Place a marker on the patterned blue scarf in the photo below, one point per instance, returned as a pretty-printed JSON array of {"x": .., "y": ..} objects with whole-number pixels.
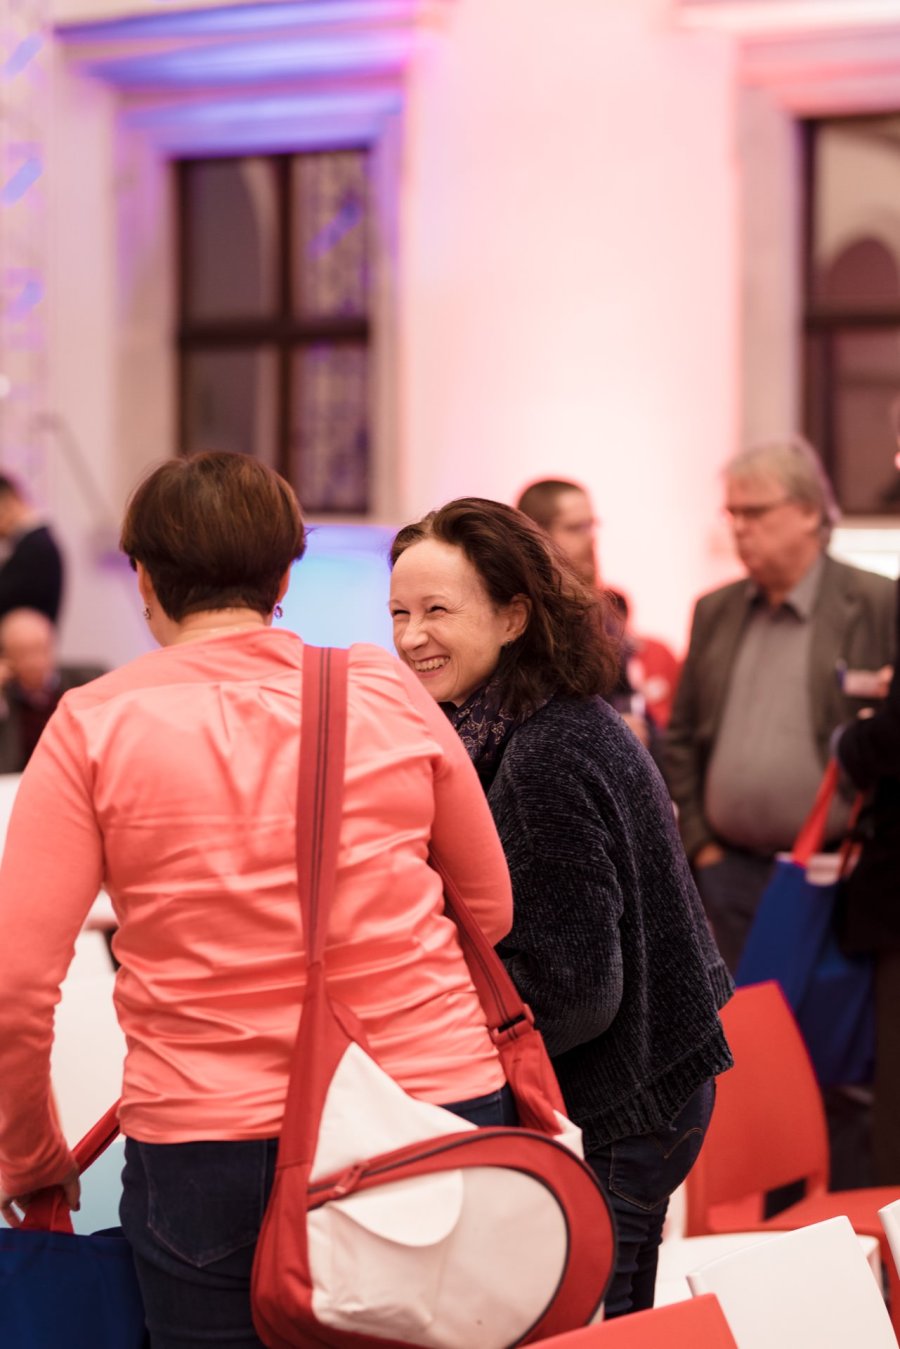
[{"x": 484, "y": 727}]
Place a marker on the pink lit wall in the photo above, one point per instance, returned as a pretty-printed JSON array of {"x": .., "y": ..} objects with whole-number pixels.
[
  {"x": 567, "y": 273},
  {"x": 570, "y": 279}
]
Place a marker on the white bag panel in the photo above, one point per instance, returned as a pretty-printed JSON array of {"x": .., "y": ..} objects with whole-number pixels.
[
  {"x": 482, "y": 1286},
  {"x": 416, "y": 1212},
  {"x": 569, "y": 1135},
  {"x": 366, "y": 1113}
]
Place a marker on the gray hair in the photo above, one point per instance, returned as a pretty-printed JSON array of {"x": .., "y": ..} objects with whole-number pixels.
[{"x": 795, "y": 464}]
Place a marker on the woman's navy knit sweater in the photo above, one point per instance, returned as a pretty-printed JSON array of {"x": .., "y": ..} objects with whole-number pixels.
[{"x": 609, "y": 943}]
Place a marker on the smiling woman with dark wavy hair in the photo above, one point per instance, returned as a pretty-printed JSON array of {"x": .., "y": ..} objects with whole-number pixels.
[
  {"x": 609, "y": 945},
  {"x": 566, "y": 647}
]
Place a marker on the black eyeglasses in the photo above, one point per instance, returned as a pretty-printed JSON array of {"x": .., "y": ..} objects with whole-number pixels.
[{"x": 754, "y": 512}]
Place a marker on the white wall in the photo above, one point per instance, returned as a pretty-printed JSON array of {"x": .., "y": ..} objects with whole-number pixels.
[
  {"x": 101, "y": 616},
  {"x": 568, "y": 292},
  {"x": 570, "y": 284},
  {"x": 771, "y": 267}
]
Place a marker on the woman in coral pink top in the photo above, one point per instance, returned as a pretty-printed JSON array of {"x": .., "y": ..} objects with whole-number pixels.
[{"x": 172, "y": 783}]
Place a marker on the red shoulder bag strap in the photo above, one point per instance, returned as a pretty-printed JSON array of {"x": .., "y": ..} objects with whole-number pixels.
[
  {"x": 509, "y": 1020},
  {"x": 320, "y": 789},
  {"x": 523, "y": 1053},
  {"x": 319, "y": 800}
]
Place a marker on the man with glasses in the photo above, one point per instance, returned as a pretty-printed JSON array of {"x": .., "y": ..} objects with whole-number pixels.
[
  {"x": 759, "y": 695},
  {"x": 564, "y": 510}
]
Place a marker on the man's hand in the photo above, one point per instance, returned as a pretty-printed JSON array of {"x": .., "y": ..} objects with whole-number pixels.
[
  {"x": 708, "y": 856},
  {"x": 70, "y": 1186}
]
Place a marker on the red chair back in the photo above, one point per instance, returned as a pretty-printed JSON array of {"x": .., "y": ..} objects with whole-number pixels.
[
  {"x": 768, "y": 1126},
  {"x": 681, "y": 1325}
]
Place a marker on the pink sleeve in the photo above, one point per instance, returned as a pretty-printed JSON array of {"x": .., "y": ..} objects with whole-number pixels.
[
  {"x": 52, "y": 869},
  {"x": 463, "y": 834}
]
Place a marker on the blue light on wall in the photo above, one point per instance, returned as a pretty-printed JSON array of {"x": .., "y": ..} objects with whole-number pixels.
[
  {"x": 339, "y": 590},
  {"x": 252, "y": 18},
  {"x": 289, "y": 57},
  {"x": 23, "y": 178}
]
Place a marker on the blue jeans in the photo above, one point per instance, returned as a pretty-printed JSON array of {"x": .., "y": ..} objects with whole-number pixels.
[
  {"x": 639, "y": 1174},
  {"x": 192, "y": 1213}
]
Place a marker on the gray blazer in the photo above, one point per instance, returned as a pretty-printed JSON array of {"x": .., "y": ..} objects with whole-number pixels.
[
  {"x": 70, "y": 677},
  {"x": 853, "y": 621}
]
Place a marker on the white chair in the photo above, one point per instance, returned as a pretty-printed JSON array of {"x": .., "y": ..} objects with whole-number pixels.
[
  {"x": 812, "y": 1286},
  {"x": 681, "y": 1256},
  {"x": 890, "y": 1221}
]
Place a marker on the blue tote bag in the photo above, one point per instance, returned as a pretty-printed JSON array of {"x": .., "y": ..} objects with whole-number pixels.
[
  {"x": 63, "y": 1291},
  {"x": 793, "y": 941}
]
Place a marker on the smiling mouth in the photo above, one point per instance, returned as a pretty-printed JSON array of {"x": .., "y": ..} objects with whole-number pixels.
[{"x": 429, "y": 666}]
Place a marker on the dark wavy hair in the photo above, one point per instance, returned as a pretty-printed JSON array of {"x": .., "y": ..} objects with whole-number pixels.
[
  {"x": 568, "y": 645},
  {"x": 214, "y": 531}
]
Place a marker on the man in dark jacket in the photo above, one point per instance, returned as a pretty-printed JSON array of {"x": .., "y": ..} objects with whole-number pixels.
[
  {"x": 32, "y": 575},
  {"x": 869, "y": 752},
  {"x": 31, "y": 683},
  {"x": 759, "y": 695}
]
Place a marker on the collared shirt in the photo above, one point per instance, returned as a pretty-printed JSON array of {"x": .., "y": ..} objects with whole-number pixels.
[{"x": 765, "y": 768}]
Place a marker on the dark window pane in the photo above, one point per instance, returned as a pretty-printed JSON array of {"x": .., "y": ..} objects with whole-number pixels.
[
  {"x": 331, "y": 254},
  {"x": 231, "y": 239},
  {"x": 330, "y": 439},
  {"x": 862, "y": 273},
  {"x": 866, "y": 382},
  {"x": 230, "y": 402},
  {"x": 817, "y": 392},
  {"x": 853, "y": 378}
]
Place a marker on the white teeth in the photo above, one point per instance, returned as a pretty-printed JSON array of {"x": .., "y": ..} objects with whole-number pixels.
[{"x": 436, "y": 663}]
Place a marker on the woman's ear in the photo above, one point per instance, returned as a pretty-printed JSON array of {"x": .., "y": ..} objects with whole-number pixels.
[
  {"x": 518, "y": 614},
  {"x": 145, "y": 585}
]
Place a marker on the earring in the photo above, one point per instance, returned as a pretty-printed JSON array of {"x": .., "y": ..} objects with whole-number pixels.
[
  {"x": 278, "y": 611},
  {"x": 147, "y": 612}
]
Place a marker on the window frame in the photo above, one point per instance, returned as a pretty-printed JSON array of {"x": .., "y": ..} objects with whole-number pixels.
[{"x": 284, "y": 332}]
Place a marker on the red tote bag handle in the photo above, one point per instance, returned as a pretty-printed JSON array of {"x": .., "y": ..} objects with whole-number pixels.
[
  {"x": 812, "y": 831},
  {"x": 48, "y": 1210}
]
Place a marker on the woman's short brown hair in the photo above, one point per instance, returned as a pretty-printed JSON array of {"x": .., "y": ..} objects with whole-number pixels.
[
  {"x": 567, "y": 645},
  {"x": 214, "y": 531}
]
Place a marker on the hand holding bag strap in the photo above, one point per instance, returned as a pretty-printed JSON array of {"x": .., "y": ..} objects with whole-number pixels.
[{"x": 48, "y": 1210}]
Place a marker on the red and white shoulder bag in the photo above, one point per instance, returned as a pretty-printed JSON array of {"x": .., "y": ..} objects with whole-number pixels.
[{"x": 393, "y": 1222}]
